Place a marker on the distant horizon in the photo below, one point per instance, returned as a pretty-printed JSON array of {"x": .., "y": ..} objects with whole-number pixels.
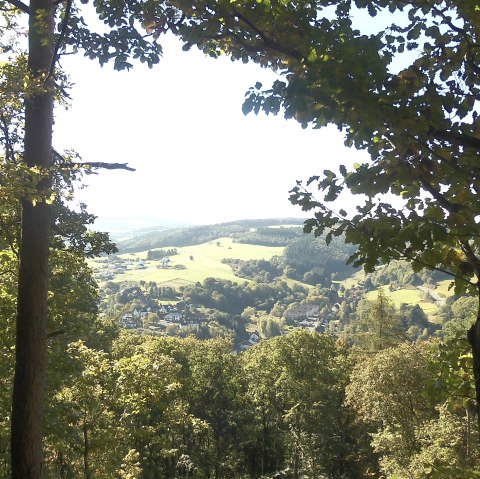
[
  {"x": 139, "y": 223},
  {"x": 197, "y": 158}
]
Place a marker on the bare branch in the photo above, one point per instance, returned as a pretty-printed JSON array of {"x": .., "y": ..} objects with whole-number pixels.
[
  {"x": 68, "y": 165},
  {"x": 101, "y": 165}
]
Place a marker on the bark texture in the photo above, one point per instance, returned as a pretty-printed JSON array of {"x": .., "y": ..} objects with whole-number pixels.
[{"x": 29, "y": 381}]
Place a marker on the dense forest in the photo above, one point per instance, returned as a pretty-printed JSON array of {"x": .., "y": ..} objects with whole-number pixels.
[
  {"x": 256, "y": 231},
  {"x": 300, "y": 402},
  {"x": 306, "y": 404}
]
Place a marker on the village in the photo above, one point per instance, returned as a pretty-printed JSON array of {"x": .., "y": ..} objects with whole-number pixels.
[
  {"x": 108, "y": 268},
  {"x": 143, "y": 306},
  {"x": 181, "y": 316}
]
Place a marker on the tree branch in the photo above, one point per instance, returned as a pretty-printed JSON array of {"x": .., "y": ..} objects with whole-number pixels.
[
  {"x": 268, "y": 42},
  {"x": 463, "y": 139},
  {"x": 435, "y": 268},
  {"x": 61, "y": 37},
  {"x": 67, "y": 165},
  {"x": 472, "y": 258},
  {"x": 52, "y": 334},
  {"x": 6, "y": 133},
  {"x": 101, "y": 165},
  {"x": 20, "y": 5}
]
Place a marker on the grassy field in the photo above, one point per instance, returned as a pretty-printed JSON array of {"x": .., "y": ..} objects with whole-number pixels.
[
  {"x": 353, "y": 280},
  {"x": 442, "y": 288},
  {"x": 407, "y": 296},
  {"x": 206, "y": 263}
]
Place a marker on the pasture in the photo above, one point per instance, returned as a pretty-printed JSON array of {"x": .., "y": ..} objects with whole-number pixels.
[
  {"x": 193, "y": 263},
  {"x": 408, "y": 296}
]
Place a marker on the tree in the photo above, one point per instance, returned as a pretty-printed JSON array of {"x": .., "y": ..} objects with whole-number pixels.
[
  {"x": 72, "y": 307},
  {"x": 215, "y": 395},
  {"x": 415, "y": 401},
  {"x": 49, "y": 34},
  {"x": 268, "y": 325},
  {"x": 418, "y": 122},
  {"x": 379, "y": 324},
  {"x": 296, "y": 387},
  {"x": 82, "y": 437}
]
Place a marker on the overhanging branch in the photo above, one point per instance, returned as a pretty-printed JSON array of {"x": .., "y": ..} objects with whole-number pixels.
[
  {"x": 69, "y": 165},
  {"x": 20, "y": 5},
  {"x": 269, "y": 42},
  {"x": 101, "y": 165}
]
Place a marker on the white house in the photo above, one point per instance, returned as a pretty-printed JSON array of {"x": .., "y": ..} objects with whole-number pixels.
[{"x": 174, "y": 317}]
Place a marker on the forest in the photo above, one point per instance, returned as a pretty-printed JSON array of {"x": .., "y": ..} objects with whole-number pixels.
[
  {"x": 372, "y": 390},
  {"x": 244, "y": 231},
  {"x": 131, "y": 404}
]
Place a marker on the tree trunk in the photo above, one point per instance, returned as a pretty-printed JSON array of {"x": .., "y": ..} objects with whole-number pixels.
[
  {"x": 86, "y": 450},
  {"x": 28, "y": 387}
]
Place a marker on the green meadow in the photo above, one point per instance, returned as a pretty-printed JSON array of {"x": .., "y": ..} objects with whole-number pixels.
[
  {"x": 443, "y": 288},
  {"x": 195, "y": 263},
  {"x": 408, "y": 296}
]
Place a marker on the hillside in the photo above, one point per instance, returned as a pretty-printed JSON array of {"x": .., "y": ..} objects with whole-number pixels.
[
  {"x": 191, "y": 264},
  {"x": 264, "y": 275},
  {"x": 257, "y": 250},
  {"x": 268, "y": 232}
]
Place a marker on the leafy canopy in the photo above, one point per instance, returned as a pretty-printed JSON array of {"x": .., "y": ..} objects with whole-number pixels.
[{"x": 417, "y": 122}]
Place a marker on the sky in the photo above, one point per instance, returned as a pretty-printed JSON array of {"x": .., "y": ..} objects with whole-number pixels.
[{"x": 198, "y": 159}]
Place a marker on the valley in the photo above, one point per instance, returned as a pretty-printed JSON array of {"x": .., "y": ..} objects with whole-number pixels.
[{"x": 256, "y": 277}]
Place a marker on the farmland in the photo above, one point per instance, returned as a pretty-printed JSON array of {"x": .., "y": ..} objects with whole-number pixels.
[{"x": 192, "y": 263}]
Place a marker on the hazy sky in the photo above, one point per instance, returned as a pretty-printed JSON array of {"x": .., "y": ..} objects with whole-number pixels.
[{"x": 198, "y": 159}]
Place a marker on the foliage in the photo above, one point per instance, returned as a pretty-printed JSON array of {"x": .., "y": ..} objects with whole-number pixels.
[
  {"x": 269, "y": 236},
  {"x": 310, "y": 254},
  {"x": 415, "y": 123},
  {"x": 234, "y": 298},
  {"x": 418, "y": 121},
  {"x": 161, "y": 253},
  {"x": 296, "y": 387},
  {"x": 261, "y": 271},
  {"x": 379, "y": 325},
  {"x": 176, "y": 408},
  {"x": 402, "y": 394}
]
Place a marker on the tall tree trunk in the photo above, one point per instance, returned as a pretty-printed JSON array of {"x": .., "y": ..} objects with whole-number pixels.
[{"x": 29, "y": 381}]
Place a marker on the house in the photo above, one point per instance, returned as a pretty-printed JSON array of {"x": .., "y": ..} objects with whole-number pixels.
[
  {"x": 335, "y": 308},
  {"x": 253, "y": 339},
  {"x": 128, "y": 321},
  {"x": 305, "y": 324},
  {"x": 302, "y": 311},
  {"x": 174, "y": 317},
  {"x": 165, "y": 261}
]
